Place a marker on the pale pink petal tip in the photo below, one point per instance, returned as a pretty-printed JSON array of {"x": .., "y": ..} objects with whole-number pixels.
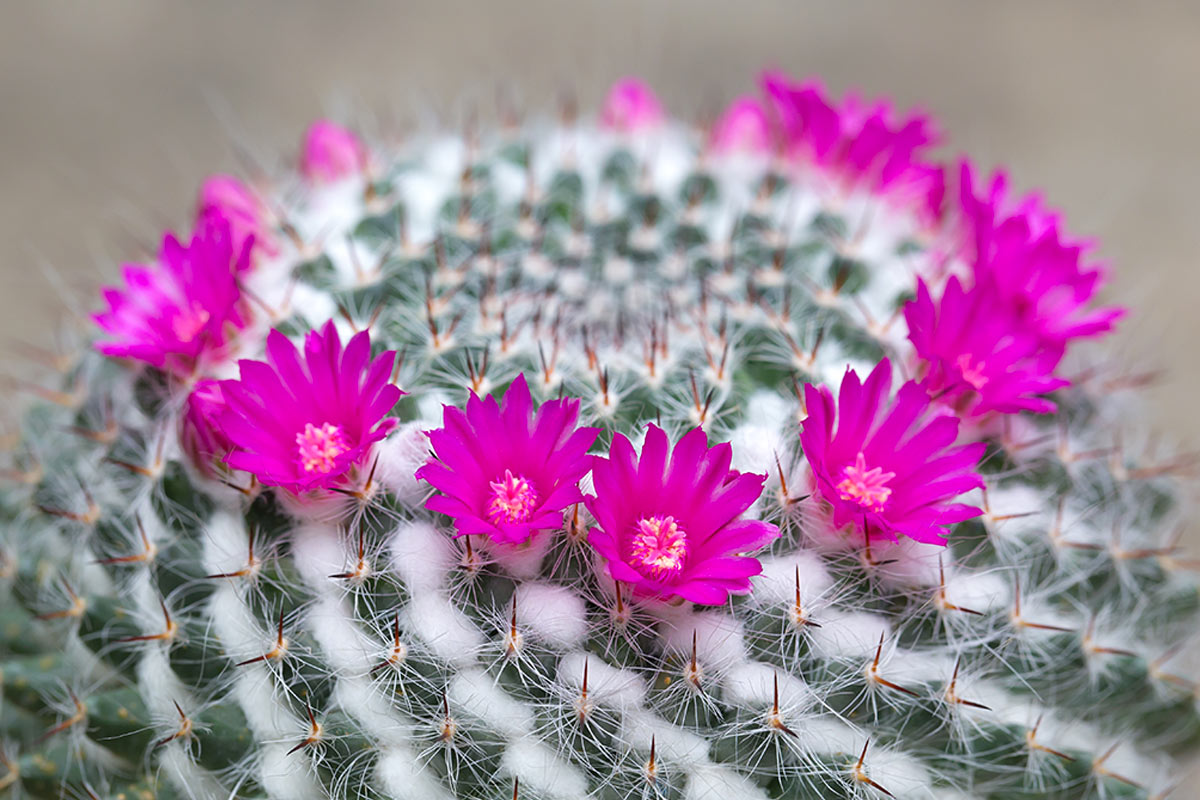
[
  {"x": 331, "y": 152},
  {"x": 631, "y": 106}
]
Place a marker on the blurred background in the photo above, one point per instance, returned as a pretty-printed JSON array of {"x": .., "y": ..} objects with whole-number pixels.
[{"x": 114, "y": 111}]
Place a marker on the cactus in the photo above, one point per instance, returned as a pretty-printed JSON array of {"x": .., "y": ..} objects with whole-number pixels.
[{"x": 596, "y": 475}]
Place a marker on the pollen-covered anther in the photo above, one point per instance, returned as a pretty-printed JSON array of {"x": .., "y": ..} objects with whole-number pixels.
[
  {"x": 514, "y": 498},
  {"x": 317, "y": 447},
  {"x": 875, "y": 678},
  {"x": 866, "y": 487},
  {"x": 659, "y": 545}
]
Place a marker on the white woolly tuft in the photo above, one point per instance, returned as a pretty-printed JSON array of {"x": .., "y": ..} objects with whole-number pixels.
[
  {"x": 671, "y": 743},
  {"x": 449, "y": 634},
  {"x": 710, "y": 782},
  {"x": 753, "y": 683},
  {"x": 541, "y": 770},
  {"x": 899, "y": 773},
  {"x": 474, "y": 693},
  {"x": 777, "y": 583},
  {"x": 318, "y": 552},
  {"x": 225, "y": 544},
  {"x": 978, "y": 591},
  {"x": 826, "y": 736},
  {"x": 607, "y": 685},
  {"x": 849, "y": 634},
  {"x": 368, "y": 704},
  {"x": 399, "y": 456},
  {"x": 404, "y": 777},
  {"x": 422, "y": 556},
  {"x": 720, "y": 639},
  {"x": 287, "y": 776},
  {"x": 188, "y": 776},
  {"x": 553, "y": 614},
  {"x": 344, "y": 643}
]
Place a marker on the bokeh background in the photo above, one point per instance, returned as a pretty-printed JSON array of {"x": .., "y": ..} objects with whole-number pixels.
[{"x": 113, "y": 111}]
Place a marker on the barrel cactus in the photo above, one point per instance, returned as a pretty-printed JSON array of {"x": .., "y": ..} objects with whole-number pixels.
[{"x": 599, "y": 457}]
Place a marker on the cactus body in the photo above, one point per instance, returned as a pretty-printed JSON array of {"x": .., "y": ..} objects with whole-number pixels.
[{"x": 175, "y": 628}]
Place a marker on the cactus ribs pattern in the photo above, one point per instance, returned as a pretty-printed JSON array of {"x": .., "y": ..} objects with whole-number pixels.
[{"x": 618, "y": 460}]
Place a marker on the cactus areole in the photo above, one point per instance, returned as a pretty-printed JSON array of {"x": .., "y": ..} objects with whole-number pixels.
[{"x": 600, "y": 456}]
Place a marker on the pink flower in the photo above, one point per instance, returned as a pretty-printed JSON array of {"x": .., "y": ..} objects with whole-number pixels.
[
  {"x": 182, "y": 314},
  {"x": 744, "y": 127},
  {"x": 505, "y": 470},
  {"x": 887, "y": 466},
  {"x": 977, "y": 356},
  {"x": 1018, "y": 250},
  {"x": 331, "y": 152},
  {"x": 304, "y": 423},
  {"x": 861, "y": 145},
  {"x": 631, "y": 106},
  {"x": 200, "y": 433},
  {"x": 674, "y": 529},
  {"x": 233, "y": 201}
]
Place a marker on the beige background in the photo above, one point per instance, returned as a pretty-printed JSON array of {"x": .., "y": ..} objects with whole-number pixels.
[{"x": 112, "y": 111}]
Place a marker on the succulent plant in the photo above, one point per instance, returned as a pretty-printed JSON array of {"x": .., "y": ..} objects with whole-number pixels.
[{"x": 623, "y": 458}]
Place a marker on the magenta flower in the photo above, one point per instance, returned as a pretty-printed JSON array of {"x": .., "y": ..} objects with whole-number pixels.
[
  {"x": 888, "y": 467},
  {"x": 304, "y": 423},
  {"x": 631, "y": 106},
  {"x": 505, "y": 470},
  {"x": 233, "y": 201},
  {"x": 744, "y": 127},
  {"x": 1020, "y": 253},
  {"x": 331, "y": 152},
  {"x": 200, "y": 433},
  {"x": 860, "y": 145},
  {"x": 183, "y": 313},
  {"x": 976, "y": 355},
  {"x": 674, "y": 529}
]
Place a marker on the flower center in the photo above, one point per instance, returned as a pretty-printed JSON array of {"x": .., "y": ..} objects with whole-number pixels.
[
  {"x": 189, "y": 323},
  {"x": 513, "y": 499},
  {"x": 659, "y": 544},
  {"x": 867, "y": 487},
  {"x": 972, "y": 373},
  {"x": 320, "y": 446}
]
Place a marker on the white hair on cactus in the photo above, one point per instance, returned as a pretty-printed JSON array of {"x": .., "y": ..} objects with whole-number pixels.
[
  {"x": 422, "y": 556},
  {"x": 640, "y": 728},
  {"x": 287, "y": 776},
  {"x": 712, "y": 782},
  {"x": 754, "y": 683},
  {"x": 849, "y": 634},
  {"x": 720, "y": 640},
  {"x": 897, "y": 772},
  {"x": 188, "y": 776},
  {"x": 399, "y": 456},
  {"x": 404, "y": 776},
  {"x": 475, "y": 693},
  {"x": 827, "y": 736},
  {"x": 344, "y": 643},
  {"x": 607, "y": 685},
  {"x": 318, "y": 552},
  {"x": 978, "y": 591},
  {"x": 776, "y": 585},
  {"x": 160, "y": 686},
  {"x": 553, "y": 614},
  {"x": 373, "y": 709},
  {"x": 448, "y": 632},
  {"x": 541, "y": 769},
  {"x": 906, "y": 563}
]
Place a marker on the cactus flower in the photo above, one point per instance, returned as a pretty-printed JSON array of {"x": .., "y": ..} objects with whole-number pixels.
[
  {"x": 744, "y": 127},
  {"x": 631, "y": 106},
  {"x": 506, "y": 470},
  {"x": 331, "y": 152},
  {"x": 303, "y": 423},
  {"x": 674, "y": 529},
  {"x": 976, "y": 356},
  {"x": 231, "y": 199},
  {"x": 183, "y": 313},
  {"x": 888, "y": 467},
  {"x": 200, "y": 434},
  {"x": 1021, "y": 255}
]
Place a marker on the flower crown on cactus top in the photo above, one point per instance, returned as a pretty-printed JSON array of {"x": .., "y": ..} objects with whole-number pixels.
[{"x": 600, "y": 458}]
